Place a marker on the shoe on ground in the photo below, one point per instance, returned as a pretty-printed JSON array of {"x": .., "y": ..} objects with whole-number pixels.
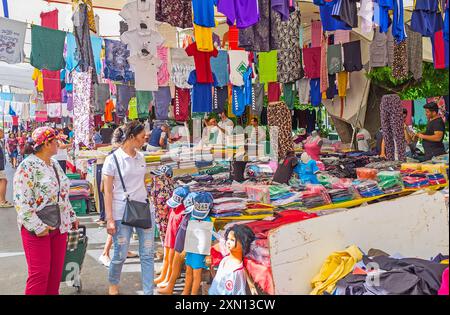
[
  {"x": 105, "y": 260},
  {"x": 6, "y": 204},
  {"x": 113, "y": 289},
  {"x": 132, "y": 254}
]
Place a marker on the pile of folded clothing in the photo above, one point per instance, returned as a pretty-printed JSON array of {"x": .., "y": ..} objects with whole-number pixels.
[
  {"x": 79, "y": 189},
  {"x": 288, "y": 199},
  {"x": 229, "y": 207},
  {"x": 415, "y": 180},
  {"x": 255, "y": 208},
  {"x": 341, "y": 195},
  {"x": 367, "y": 188},
  {"x": 390, "y": 181},
  {"x": 315, "y": 196},
  {"x": 279, "y": 192},
  {"x": 436, "y": 179},
  {"x": 258, "y": 171}
]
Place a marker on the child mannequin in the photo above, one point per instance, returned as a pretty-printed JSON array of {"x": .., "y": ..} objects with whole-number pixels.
[
  {"x": 195, "y": 263},
  {"x": 307, "y": 170},
  {"x": 180, "y": 254},
  {"x": 176, "y": 215},
  {"x": 230, "y": 278}
]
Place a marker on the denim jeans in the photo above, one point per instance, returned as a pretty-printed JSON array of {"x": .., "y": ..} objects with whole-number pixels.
[{"x": 146, "y": 254}]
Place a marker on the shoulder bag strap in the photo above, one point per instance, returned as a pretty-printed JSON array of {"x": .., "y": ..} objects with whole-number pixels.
[
  {"x": 120, "y": 174},
  {"x": 57, "y": 178}
]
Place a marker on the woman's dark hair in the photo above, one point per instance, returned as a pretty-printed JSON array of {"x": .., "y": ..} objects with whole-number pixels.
[
  {"x": 29, "y": 148},
  {"x": 243, "y": 234},
  {"x": 132, "y": 129}
]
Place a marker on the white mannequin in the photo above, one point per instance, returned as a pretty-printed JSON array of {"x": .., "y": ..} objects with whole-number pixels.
[
  {"x": 305, "y": 158},
  {"x": 315, "y": 138}
]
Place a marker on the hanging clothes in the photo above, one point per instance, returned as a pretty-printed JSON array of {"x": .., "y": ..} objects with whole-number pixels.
[
  {"x": 47, "y": 46},
  {"x": 289, "y": 53},
  {"x": 139, "y": 15},
  {"x": 238, "y": 99},
  {"x": 263, "y": 35},
  {"x": 330, "y": 23},
  {"x": 82, "y": 102},
  {"x": 278, "y": 115},
  {"x": 426, "y": 18},
  {"x": 219, "y": 67},
  {"x": 50, "y": 19},
  {"x": 177, "y": 13},
  {"x": 82, "y": 37},
  {"x": 202, "y": 63},
  {"x": 382, "y": 49},
  {"x": 146, "y": 71},
  {"x": 52, "y": 86},
  {"x": 244, "y": 13},
  {"x": 352, "y": 56},
  {"x": 162, "y": 100},
  {"x": 392, "y": 125},
  {"x": 311, "y": 59},
  {"x": 257, "y": 99},
  {"x": 304, "y": 88},
  {"x": 289, "y": 92},
  {"x": 143, "y": 99},
  {"x": 334, "y": 59},
  {"x": 316, "y": 33},
  {"x": 400, "y": 67},
  {"x": 415, "y": 52},
  {"x": 201, "y": 93},
  {"x": 366, "y": 14},
  {"x": 14, "y": 31},
  {"x": 267, "y": 66},
  {"x": 124, "y": 94},
  {"x": 181, "y": 104},
  {"x": 220, "y": 99},
  {"x": 90, "y": 12},
  {"x": 438, "y": 48},
  {"x": 163, "y": 71},
  {"x": 117, "y": 67},
  {"x": 324, "y": 65},
  {"x": 273, "y": 92},
  {"x": 238, "y": 64},
  {"x": 101, "y": 95}
]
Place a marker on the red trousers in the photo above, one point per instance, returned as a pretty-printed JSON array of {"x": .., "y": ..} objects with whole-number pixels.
[{"x": 45, "y": 259}]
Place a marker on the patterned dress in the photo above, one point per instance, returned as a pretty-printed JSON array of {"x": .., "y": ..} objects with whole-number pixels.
[
  {"x": 161, "y": 191},
  {"x": 83, "y": 102},
  {"x": 35, "y": 187},
  {"x": 177, "y": 13}
]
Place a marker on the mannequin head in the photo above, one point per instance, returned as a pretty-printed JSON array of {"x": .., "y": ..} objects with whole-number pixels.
[
  {"x": 239, "y": 238},
  {"x": 314, "y": 134},
  {"x": 305, "y": 157}
]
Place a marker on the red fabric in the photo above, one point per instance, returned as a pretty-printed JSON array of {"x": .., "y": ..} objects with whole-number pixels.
[
  {"x": 439, "y": 50},
  {"x": 261, "y": 275},
  {"x": 202, "y": 63},
  {"x": 233, "y": 38},
  {"x": 274, "y": 92},
  {"x": 52, "y": 86},
  {"x": 409, "y": 107},
  {"x": 15, "y": 120},
  {"x": 56, "y": 120},
  {"x": 216, "y": 257},
  {"x": 261, "y": 228},
  {"x": 444, "y": 286},
  {"x": 45, "y": 259},
  {"x": 98, "y": 122},
  {"x": 316, "y": 33},
  {"x": 311, "y": 59},
  {"x": 181, "y": 104},
  {"x": 175, "y": 217},
  {"x": 50, "y": 19},
  {"x": 313, "y": 150}
]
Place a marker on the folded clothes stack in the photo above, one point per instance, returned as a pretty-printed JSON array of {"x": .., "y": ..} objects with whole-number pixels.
[
  {"x": 341, "y": 195},
  {"x": 390, "y": 181},
  {"x": 368, "y": 188},
  {"x": 79, "y": 189},
  {"x": 436, "y": 179},
  {"x": 229, "y": 207},
  {"x": 315, "y": 196},
  {"x": 415, "y": 181}
]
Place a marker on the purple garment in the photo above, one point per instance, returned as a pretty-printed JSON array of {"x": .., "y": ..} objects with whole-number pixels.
[
  {"x": 124, "y": 94},
  {"x": 69, "y": 102},
  {"x": 282, "y": 7},
  {"x": 216, "y": 41},
  {"x": 163, "y": 98},
  {"x": 181, "y": 234},
  {"x": 64, "y": 95},
  {"x": 244, "y": 12}
]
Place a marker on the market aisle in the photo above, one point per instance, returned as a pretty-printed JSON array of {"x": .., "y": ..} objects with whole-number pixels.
[{"x": 93, "y": 274}]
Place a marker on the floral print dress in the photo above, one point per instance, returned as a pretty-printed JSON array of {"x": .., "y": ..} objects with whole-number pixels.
[
  {"x": 35, "y": 187},
  {"x": 161, "y": 191}
]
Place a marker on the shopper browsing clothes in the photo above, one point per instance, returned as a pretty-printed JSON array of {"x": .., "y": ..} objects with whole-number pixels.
[
  {"x": 44, "y": 213},
  {"x": 131, "y": 165},
  {"x": 12, "y": 147},
  {"x": 3, "y": 177}
]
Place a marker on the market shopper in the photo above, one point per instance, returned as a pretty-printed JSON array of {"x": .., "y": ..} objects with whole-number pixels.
[
  {"x": 433, "y": 137},
  {"x": 225, "y": 124},
  {"x": 159, "y": 138},
  {"x": 132, "y": 169},
  {"x": 12, "y": 146},
  {"x": 256, "y": 133},
  {"x": 3, "y": 177},
  {"x": 97, "y": 137},
  {"x": 41, "y": 192}
]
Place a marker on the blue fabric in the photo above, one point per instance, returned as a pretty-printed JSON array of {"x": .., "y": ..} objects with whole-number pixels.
[
  {"x": 446, "y": 21},
  {"x": 426, "y": 18},
  {"x": 330, "y": 23},
  {"x": 155, "y": 136},
  {"x": 5, "y": 8},
  {"x": 385, "y": 6},
  {"x": 238, "y": 100},
  {"x": 419, "y": 112},
  {"x": 316, "y": 96},
  {"x": 6, "y": 97},
  {"x": 197, "y": 261},
  {"x": 146, "y": 252},
  {"x": 219, "y": 67},
  {"x": 204, "y": 12},
  {"x": 201, "y": 94},
  {"x": 306, "y": 172},
  {"x": 398, "y": 26},
  {"x": 248, "y": 88},
  {"x": 116, "y": 64}
]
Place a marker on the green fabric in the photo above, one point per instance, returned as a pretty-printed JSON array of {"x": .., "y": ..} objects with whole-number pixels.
[
  {"x": 267, "y": 62},
  {"x": 143, "y": 100},
  {"x": 132, "y": 109},
  {"x": 47, "y": 46},
  {"x": 289, "y": 92},
  {"x": 277, "y": 190}
]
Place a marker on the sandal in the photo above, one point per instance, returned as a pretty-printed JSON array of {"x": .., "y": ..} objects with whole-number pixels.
[{"x": 7, "y": 204}]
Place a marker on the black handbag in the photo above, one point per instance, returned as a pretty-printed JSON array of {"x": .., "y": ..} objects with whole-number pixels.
[
  {"x": 51, "y": 215},
  {"x": 137, "y": 214}
]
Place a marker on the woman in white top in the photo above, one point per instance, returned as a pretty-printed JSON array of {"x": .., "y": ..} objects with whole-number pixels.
[{"x": 132, "y": 167}]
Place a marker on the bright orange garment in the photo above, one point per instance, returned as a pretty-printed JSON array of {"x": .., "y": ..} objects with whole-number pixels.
[
  {"x": 342, "y": 83},
  {"x": 335, "y": 267},
  {"x": 109, "y": 107}
]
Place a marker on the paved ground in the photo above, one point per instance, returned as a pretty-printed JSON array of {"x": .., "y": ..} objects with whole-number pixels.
[{"x": 13, "y": 266}]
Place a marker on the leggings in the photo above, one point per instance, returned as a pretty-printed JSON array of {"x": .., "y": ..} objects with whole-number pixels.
[{"x": 392, "y": 125}]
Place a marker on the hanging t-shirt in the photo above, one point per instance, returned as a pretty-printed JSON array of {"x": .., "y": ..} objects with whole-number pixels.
[
  {"x": 267, "y": 66},
  {"x": 47, "y": 46},
  {"x": 203, "y": 38},
  {"x": 139, "y": 15},
  {"x": 12, "y": 35},
  {"x": 248, "y": 88},
  {"x": 72, "y": 59},
  {"x": 163, "y": 99},
  {"x": 145, "y": 69},
  {"x": 311, "y": 59},
  {"x": 334, "y": 59},
  {"x": 132, "y": 109},
  {"x": 202, "y": 62},
  {"x": 201, "y": 94},
  {"x": 329, "y": 23},
  {"x": 219, "y": 67},
  {"x": 52, "y": 86},
  {"x": 204, "y": 12},
  {"x": 257, "y": 99},
  {"x": 116, "y": 64},
  {"x": 238, "y": 65},
  {"x": 163, "y": 72},
  {"x": 238, "y": 97},
  {"x": 124, "y": 94},
  {"x": 54, "y": 110},
  {"x": 109, "y": 107},
  {"x": 138, "y": 43},
  {"x": 101, "y": 95},
  {"x": 143, "y": 99},
  {"x": 289, "y": 92},
  {"x": 244, "y": 13},
  {"x": 220, "y": 99},
  {"x": 181, "y": 104},
  {"x": 38, "y": 80}
]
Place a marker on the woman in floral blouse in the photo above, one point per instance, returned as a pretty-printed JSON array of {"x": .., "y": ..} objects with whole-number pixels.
[{"x": 35, "y": 187}]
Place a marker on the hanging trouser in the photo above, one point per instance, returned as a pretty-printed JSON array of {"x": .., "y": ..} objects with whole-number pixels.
[
  {"x": 392, "y": 125},
  {"x": 278, "y": 115}
]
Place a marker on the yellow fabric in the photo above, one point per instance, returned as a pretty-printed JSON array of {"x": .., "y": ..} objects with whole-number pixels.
[
  {"x": 411, "y": 166},
  {"x": 203, "y": 38},
  {"x": 335, "y": 267},
  {"x": 342, "y": 83},
  {"x": 37, "y": 75},
  {"x": 444, "y": 262},
  {"x": 434, "y": 168}
]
